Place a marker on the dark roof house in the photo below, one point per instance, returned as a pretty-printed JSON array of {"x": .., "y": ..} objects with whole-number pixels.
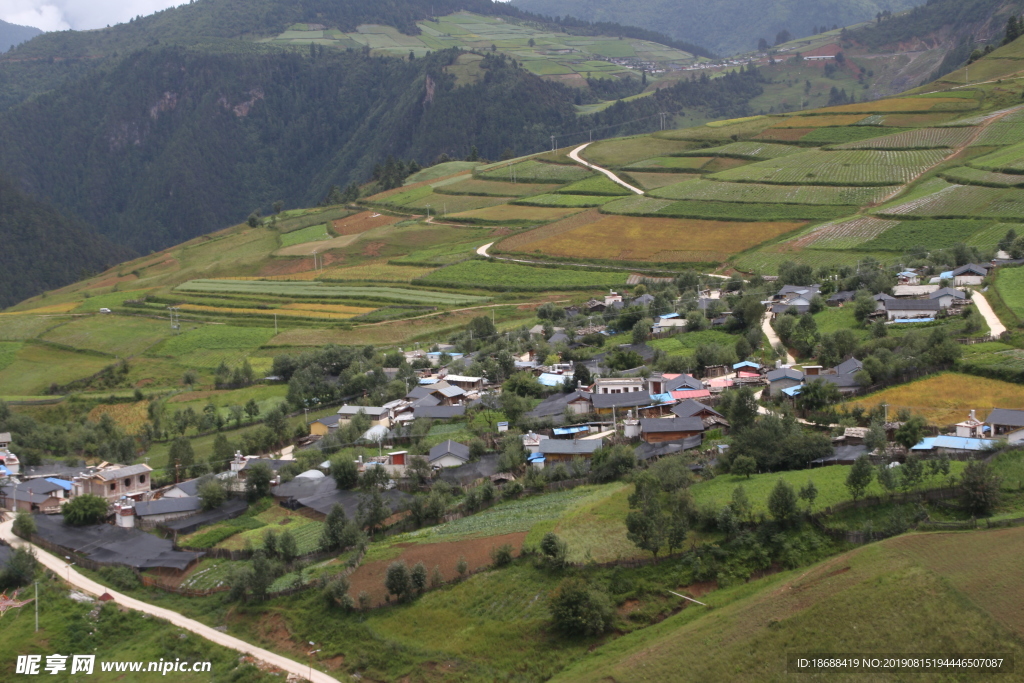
[{"x": 449, "y": 448}]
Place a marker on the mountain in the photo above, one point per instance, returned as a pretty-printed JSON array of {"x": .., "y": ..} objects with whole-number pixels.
[
  {"x": 13, "y": 34},
  {"x": 43, "y": 248},
  {"x": 725, "y": 26}
]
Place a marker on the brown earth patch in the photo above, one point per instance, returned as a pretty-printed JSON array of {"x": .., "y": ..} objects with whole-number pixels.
[
  {"x": 361, "y": 222},
  {"x": 369, "y": 577},
  {"x": 373, "y": 248},
  {"x": 289, "y": 266}
]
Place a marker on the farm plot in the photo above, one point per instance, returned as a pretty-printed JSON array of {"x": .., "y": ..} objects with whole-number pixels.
[
  {"x": 36, "y": 367},
  {"x": 509, "y": 213},
  {"x": 310, "y": 234},
  {"x": 209, "y": 345},
  {"x": 531, "y": 171},
  {"x": 652, "y": 181},
  {"x": 656, "y": 239},
  {"x": 924, "y": 138},
  {"x": 903, "y": 105},
  {"x": 686, "y": 344},
  {"x": 965, "y": 175},
  {"x": 784, "y": 134},
  {"x": 438, "y": 171},
  {"x": 768, "y": 260},
  {"x": 671, "y": 164},
  {"x": 747, "y": 150},
  {"x": 108, "y": 300},
  {"x": 131, "y": 417},
  {"x": 375, "y": 271},
  {"x": 709, "y": 190},
  {"x": 844, "y": 134},
  {"x": 317, "y": 290},
  {"x": 495, "y": 188},
  {"x": 1006, "y": 131},
  {"x": 119, "y": 335},
  {"x": 362, "y": 222},
  {"x": 821, "y": 121},
  {"x": 720, "y": 130},
  {"x": 309, "y": 313},
  {"x": 844, "y": 234},
  {"x": 964, "y": 201},
  {"x": 755, "y": 212},
  {"x": 569, "y": 200},
  {"x": 624, "y": 151},
  {"x": 445, "y": 203},
  {"x": 1010, "y": 159},
  {"x": 1010, "y": 285},
  {"x": 501, "y": 275},
  {"x": 26, "y": 326},
  {"x": 8, "y": 352},
  {"x": 947, "y": 398},
  {"x": 930, "y": 234},
  {"x": 854, "y": 167},
  {"x": 596, "y": 185}
]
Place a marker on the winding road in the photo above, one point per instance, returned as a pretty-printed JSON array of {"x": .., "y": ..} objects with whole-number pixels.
[
  {"x": 995, "y": 326},
  {"x": 59, "y": 567},
  {"x": 575, "y": 156}
]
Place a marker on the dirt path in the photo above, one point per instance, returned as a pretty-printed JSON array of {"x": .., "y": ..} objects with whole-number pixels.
[
  {"x": 575, "y": 156},
  {"x": 773, "y": 338},
  {"x": 59, "y": 567},
  {"x": 995, "y": 326}
]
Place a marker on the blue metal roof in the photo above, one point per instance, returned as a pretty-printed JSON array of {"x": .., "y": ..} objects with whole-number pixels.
[
  {"x": 914, "y": 320},
  {"x": 946, "y": 275},
  {"x": 564, "y": 431},
  {"x": 63, "y": 483},
  {"x": 536, "y": 457},
  {"x": 669, "y": 315},
  {"x": 793, "y": 391},
  {"x": 960, "y": 443},
  {"x": 549, "y": 379},
  {"x": 926, "y": 444},
  {"x": 746, "y": 364}
]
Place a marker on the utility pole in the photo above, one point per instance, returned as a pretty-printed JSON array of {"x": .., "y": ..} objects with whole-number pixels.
[{"x": 552, "y": 143}]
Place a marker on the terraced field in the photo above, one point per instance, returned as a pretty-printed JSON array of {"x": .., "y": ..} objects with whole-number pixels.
[
  {"x": 567, "y": 200},
  {"x": 317, "y": 290},
  {"x": 747, "y": 150},
  {"x": 771, "y": 194},
  {"x": 500, "y": 275},
  {"x": 531, "y": 171},
  {"x": 964, "y": 201},
  {"x": 925, "y": 138},
  {"x": 494, "y": 188},
  {"x": 859, "y": 167}
]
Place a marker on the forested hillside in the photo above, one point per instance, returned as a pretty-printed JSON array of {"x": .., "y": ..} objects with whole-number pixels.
[
  {"x": 42, "y": 249},
  {"x": 13, "y": 34},
  {"x": 726, "y": 26}
]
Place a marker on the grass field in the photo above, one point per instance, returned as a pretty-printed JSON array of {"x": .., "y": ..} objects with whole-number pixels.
[
  {"x": 853, "y": 167},
  {"x": 686, "y": 344},
  {"x": 949, "y": 397},
  {"x": 625, "y": 151},
  {"x": 531, "y": 171},
  {"x": 773, "y": 194},
  {"x": 495, "y": 188},
  {"x": 509, "y": 213},
  {"x": 8, "y": 353},
  {"x": 375, "y": 271},
  {"x": 519, "y": 277},
  {"x": 655, "y": 239},
  {"x": 747, "y": 150},
  {"x": 310, "y": 234},
  {"x": 324, "y": 291},
  {"x": 1010, "y": 285},
  {"x": 567, "y": 200},
  {"x": 596, "y": 185},
  {"x": 37, "y": 366},
  {"x": 670, "y": 164},
  {"x": 27, "y": 326},
  {"x": 120, "y": 335},
  {"x": 440, "y": 171}
]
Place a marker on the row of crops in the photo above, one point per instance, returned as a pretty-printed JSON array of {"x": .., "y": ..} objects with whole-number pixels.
[
  {"x": 964, "y": 201},
  {"x": 852, "y": 167},
  {"x": 771, "y": 194},
  {"x": 318, "y": 290}
]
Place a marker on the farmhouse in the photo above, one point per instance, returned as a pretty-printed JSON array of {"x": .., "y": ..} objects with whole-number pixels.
[
  {"x": 618, "y": 385},
  {"x": 605, "y": 404},
  {"x": 560, "y": 450},
  {"x": 840, "y": 298},
  {"x": 5, "y": 440},
  {"x": 1008, "y": 424},
  {"x": 377, "y": 415},
  {"x": 970, "y": 274},
  {"x": 576, "y": 403},
  {"x": 783, "y": 378},
  {"x": 657, "y": 430},
  {"x": 448, "y": 454},
  {"x": 154, "y": 512},
  {"x": 114, "y": 482},
  {"x": 184, "y": 489},
  {"x": 439, "y": 412},
  {"x": 35, "y": 495},
  {"x": 324, "y": 425},
  {"x": 465, "y": 383},
  {"x": 911, "y": 291},
  {"x": 711, "y": 418},
  {"x": 947, "y": 296},
  {"x": 908, "y": 309}
]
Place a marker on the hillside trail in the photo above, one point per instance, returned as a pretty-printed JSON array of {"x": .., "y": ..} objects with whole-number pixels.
[
  {"x": 773, "y": 338},
  {"x": 483, "y": 251},
  {"x": 995, "y": 325},
  {"x": 575, "y": 156},
  {"x": 66, "y": 573}
]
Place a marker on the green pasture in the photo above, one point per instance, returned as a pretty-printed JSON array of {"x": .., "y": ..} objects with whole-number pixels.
[
  {"x": 686, "y": 343},
  {"x": 36, "y": 366},
  {"x": 310, "y": 234},
  {"x": 708, "y": 190},
  {"x": 120, "y": 335},
  {"x": 531, "y": 171},
  {"x": 323, "y": 291}
]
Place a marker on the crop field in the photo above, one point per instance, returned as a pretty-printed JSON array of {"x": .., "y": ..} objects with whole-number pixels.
[
  {"x": 755, "y": 212},
  {"x": 36, "y": 367},
  {"x": 119, "y": 335},
  {"x": 438, "y": 171},
  {"x": 924, "y": 138},
  {"x": 949, "y": 397},
  {"x": 929, "y": 234},
  {"x": 686, "y": 344},
  {"x": 310, "y": 234},
  {"x": 845, "y": 134},
  {"x": 510, "y": 213},
  {"x": 624, "y": 151},
  {"x": 748, "y": 150},
  {"x": 516, "y": 276},
  {"x": 50, "y": 309},
  {"x": 652, "y": 181},
  {"x": 965, "y": 175},
  {"x": 719, "y": 130},
  {"x": 710, "y": 190},
  {"x": 8, "y": 352},
  {"x": 845, "y": 234},
  {"x": 903, "y": 105},
  {"x": 531, "y": 171},
  {"x": 596, "y": 185},
  {"x": 317, "y": 290},
  {"x": 1009, "y": 159},
  {"x": 305, "y": 530},
  {"x": 671, "y": 164},
  {"x": 494, "y": 188},
  {"x": 26, "y": 326},
  {"x": 297, "y": 221},
  {"x": 311, "y": 314},
  {"x": 375, "y": 271},
  {"x": 361, "y": 222},
  {"x": 1010, "y": 285},
  {"x": 784, "y": 134},
  {"x": 191, "y": 344},
  {"x": 569, "y": 200},
  {"x": 443, "y": 204},
  {"x": 821, "y": 121},
  {"x": 108, "y": 300},
  {"x": 403, "y": 197},
  {"x": 1006, "y": 131},
  {"x": 964, "y": 201},
  {"x": 655, "y": 239},
  {"x": 768, "y": 260},
  {"x": 855, "y": 167},
  {"x": 129, "y": 416},
  {"x": 320, "y": 246}
]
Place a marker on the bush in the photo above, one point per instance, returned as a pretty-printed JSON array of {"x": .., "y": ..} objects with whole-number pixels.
[
  {"x": 24, "y": 525},
  {"x": 83, "y": 510},
  {"x": 580, "y": 610},
  {"x": 122, "y": 578},
  {"x": 397, "y": 580},
  {"x": 502, "y": 555}
]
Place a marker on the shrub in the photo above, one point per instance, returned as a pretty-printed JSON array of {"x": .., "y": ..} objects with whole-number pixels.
[
  {"x": 502, "y": 555},
  {"x": 418, "y": 577},
  {"x": 580, "y": 610},
  {"x": 397, "y": 580},
  {"x": 83, "y": 510},
  {"x": 20, "y": 569},
  {"x": 122, "y": 578},
  {"x": 462, "y": 566},
  {"x": 24, "y": 525}
]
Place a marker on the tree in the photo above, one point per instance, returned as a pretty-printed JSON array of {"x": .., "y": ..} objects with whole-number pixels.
[
  {"x": 818, "y": 395},
  {"x": 980, "y": 488},
  {"x": 611, "y": 463},
  {"x": 740, "y": 504},
  {"x": 181, "y": 457},
  {"x": 257, "y": 481},
  {"x": 373, "y": 510},
  {"x": 580, "y": 610},
  {"x": 212, "y": 493},
  {"x": 809, "y": 493},
  {"x": 875, "y": 440},
  {"x": 333, "y": 530},
  {"x": 287, "y": 547},
  {"x": 85, "y": 509},
  {"x": 252, "y": 409},
  {"x": 762, "y": 45},
  {"x": 375, "y": 478},
  {"x": 345, "y": 472},
  {"x": 888, "y": 478},
  {"x": 863, "y": 305},
  {"x": 640, "y": 332},
  {"x": 236, "y": 414},
  {"x": 555, "y": 550},
  {"x": 260, "y": 577},
  {"x": 911, "y": 473},
  {"x": 418, "y": 578},
  {"x": 462, "y": 566},
  {"x": 19, "y": 569},
  {"x": 419, "y": 469},
  {"x": 743, "y": 466},
  {"x": 739, "y": 406},
  {"x": 397, "y": 580},
  {"x": 782, "y": 502},
  {"x": 24, "y": 525},
  {"x": 190, "y": 378},
  {"x": 859, "y": 477},
  {"x": 911, "y": 432}
]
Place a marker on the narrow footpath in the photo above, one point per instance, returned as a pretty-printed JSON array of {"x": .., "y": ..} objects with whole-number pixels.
[
  {"x": 994, "y": 325},
  {"x": 68, "y": 574},
  {"x": 575, "y": 156},
  {"x": 773, "y": 338}
]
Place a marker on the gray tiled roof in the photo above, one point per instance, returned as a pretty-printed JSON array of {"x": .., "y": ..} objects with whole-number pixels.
[
  {"x": 165, "y": 506},
  {"x": 784, "y": 373},
  {"x": 439, "y": 412},
  {"x": 1006, "y": 417},
  {"x": 449, "y": 447},
  {"x": 674, "y": 424},
  {"x": 129, "y": 471},
  {"x": 568, "y": 447},
  {"x": 631, "y": 399}
]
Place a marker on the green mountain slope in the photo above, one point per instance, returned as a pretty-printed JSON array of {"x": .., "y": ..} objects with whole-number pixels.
[
  {"x": 726, "y": 26},
  {"x": 13, "y": 34},
  {"x": 43, "y": 249}
]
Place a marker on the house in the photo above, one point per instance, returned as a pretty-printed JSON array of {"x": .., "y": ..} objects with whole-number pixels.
[
  {"x": 840, "y": 298},
  {"x": 970, "y": 274},
  {"x": 612, "y": 298},
  {"x": 642, "y": 300},
  {"x": 880, "y": 300},
  {"x": 377, "y": 414},
  {"x": 649, "y": 452},
  {"x": 324, "y": 425},
  {"x": 606, "y": 404},
  {"x": 800, "y": 304},
  {"x": 788, "y": 291},
  {"x": 9, "y": 463},
  {"x": 558, "y": 338},
  {"x": 847, "y": 367},
  {"x": 561, "y": 450},
  {"x": 595, "y": 306},
  {"x": 251, "y": 462},
  {"x": 36, "y": 495},
  {"x": 947, "y": 296},
  {"x": 711, "y": 418},
  {"x": 664, "y": 383},
  {"x": 783, "y": 378},
  {"x": 153, "y": 512},
  {"x": 555, "y": 406},
  {"x": 910, "y": 291},
  {"x": 972, "y": 427},
  {"x": 114, "y": 483},
  {"x": 1007, "y": 424},
  {"x": 184, "y": 489},
  {"x": 907, "y": 277},
  {"x": 465, "y": 383},
  {"x": 668, "y": 325},
  {"x": 5, "y": 440},
  {"x": 657, "y": 430},
  {"x": 845, "y": 382},
  {"x": 909, "y": 309},
  {"x": 953, "y": 445},
  {"x": 448, "y": 454},
  {"x": 846, "y": 454},
  {"x": 618, "y": 385},
  {"x": 439, "y": 412}
]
